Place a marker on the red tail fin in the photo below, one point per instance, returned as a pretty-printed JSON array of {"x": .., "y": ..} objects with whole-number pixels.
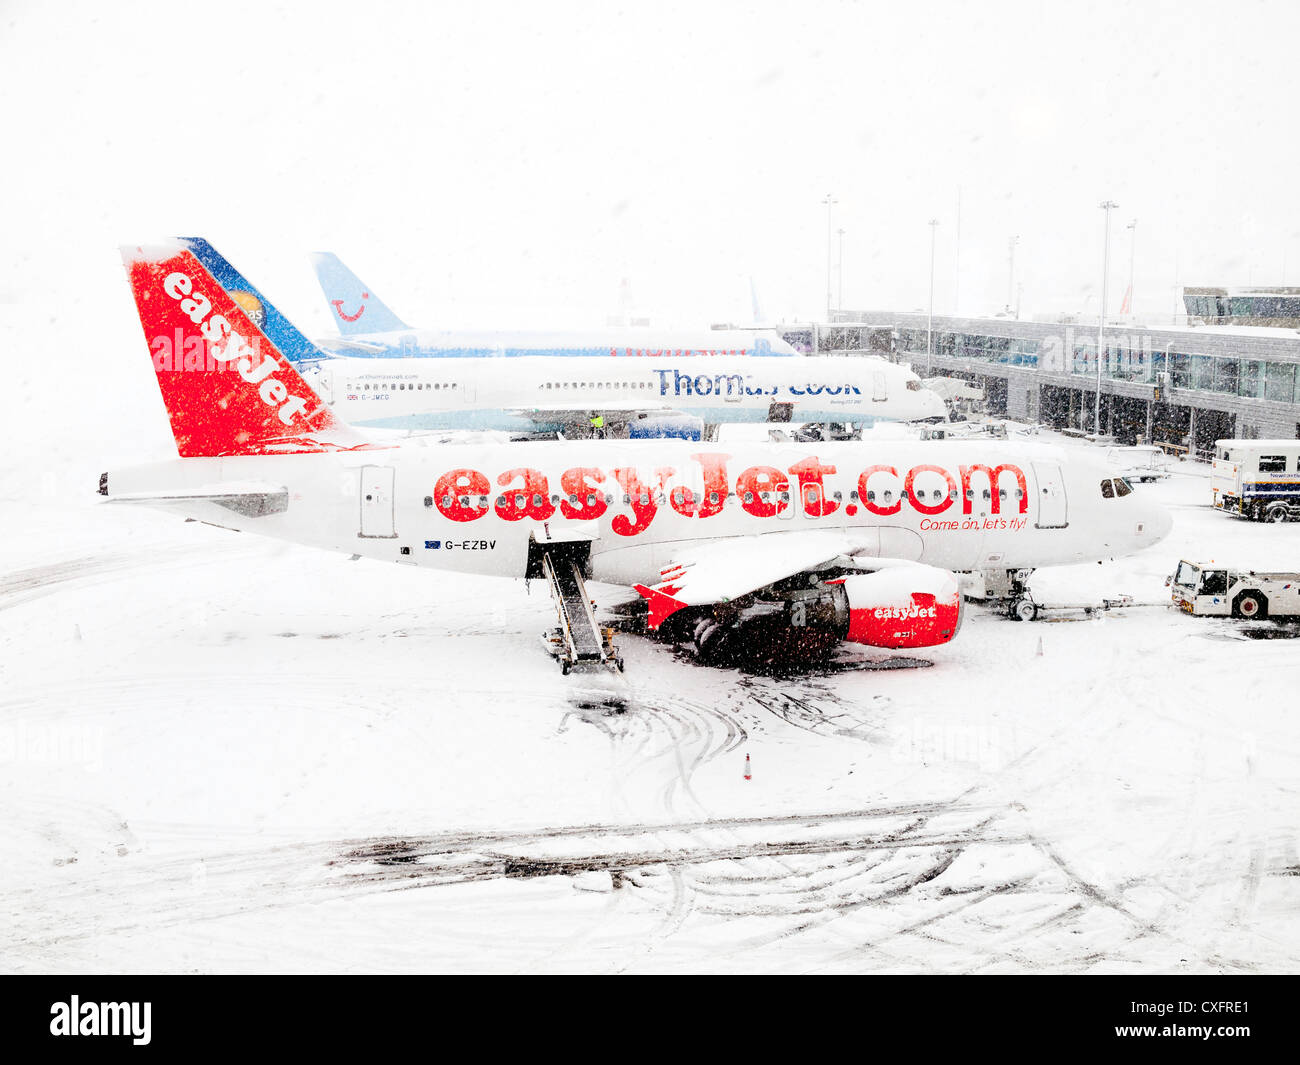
[{"x": 227, "y": 389}]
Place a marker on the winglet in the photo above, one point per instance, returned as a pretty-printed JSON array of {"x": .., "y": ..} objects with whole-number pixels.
[{"x": 662, "y": 604}]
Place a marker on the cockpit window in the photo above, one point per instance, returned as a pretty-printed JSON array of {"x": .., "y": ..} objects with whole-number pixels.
[
  {"x": 1122, "y": 487},
  {"x": 1107, "y": 489},
  {"x": 913, "y": 386}
]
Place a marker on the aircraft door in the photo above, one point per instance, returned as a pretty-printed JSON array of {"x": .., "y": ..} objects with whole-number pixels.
[
  {"x": 815, "y": 503},
  {"x": 377, "y": 502},
  {"x": 880, "y": 391},
  {"x": 321, "y": 378},
  {"x": 788, "y": 502},
  {"x": 1053, "y": 512}
]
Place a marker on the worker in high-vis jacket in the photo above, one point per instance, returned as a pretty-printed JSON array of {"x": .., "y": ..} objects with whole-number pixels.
[{"x": 597, "y": 425}]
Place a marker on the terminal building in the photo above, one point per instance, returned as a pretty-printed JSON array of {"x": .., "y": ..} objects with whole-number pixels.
[
  {"x": 1184, "y": 388},
  {"x": 1276, "y": 307}
]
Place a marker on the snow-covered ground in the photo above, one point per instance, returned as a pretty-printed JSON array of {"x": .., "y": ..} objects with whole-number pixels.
[{"x": 224, "y": 754}]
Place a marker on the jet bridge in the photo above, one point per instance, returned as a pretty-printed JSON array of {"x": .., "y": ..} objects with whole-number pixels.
[{"x": 579, "y": 641}]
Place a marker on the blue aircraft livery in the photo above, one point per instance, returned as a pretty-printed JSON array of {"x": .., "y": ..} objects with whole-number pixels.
[{"x": 370, "y": 330}]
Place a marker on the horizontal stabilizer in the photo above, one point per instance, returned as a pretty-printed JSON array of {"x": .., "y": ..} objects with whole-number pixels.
[
  {"x": 662, "y": 605},
  {"x": 253, "y": 499}
]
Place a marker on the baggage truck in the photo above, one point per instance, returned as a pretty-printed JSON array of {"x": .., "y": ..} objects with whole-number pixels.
[{"x": 1257, "y": 479}]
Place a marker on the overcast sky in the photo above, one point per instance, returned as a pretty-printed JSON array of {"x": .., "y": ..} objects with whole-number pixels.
[{"x": 482, "y": 163}]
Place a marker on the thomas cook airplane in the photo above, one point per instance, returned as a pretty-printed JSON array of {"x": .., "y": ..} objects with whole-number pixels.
[
  {"x": 369, "y": 329},
  {"x": 673, "y": 394}
]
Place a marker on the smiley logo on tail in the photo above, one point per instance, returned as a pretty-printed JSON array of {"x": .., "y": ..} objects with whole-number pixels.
[{"x": 338, "y": 307}]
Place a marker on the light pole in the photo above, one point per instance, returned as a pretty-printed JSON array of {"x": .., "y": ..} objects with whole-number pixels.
[
  {"x": 839, "y": 272},
  {"x": 1107, "y": 206},
  {"x": 1011, "y": 269},
  {"x": 929, "y": 328},
  {"x": 1132, "y": 259},
  {"x": 830, "y": 202}
]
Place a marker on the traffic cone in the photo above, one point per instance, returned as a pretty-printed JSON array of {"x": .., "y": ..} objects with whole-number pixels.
[
  {"x": 1039, "y": 652},
  {"x": 748, "y": 774}
]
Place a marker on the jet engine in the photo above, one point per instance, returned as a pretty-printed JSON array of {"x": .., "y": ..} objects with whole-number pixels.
[{"x": 901, "y": 605}]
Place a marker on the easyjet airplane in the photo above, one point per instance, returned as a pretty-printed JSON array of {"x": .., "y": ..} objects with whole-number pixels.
[
  {"x": 859, "y": 541},
  {"x": 675, "y": 393}
]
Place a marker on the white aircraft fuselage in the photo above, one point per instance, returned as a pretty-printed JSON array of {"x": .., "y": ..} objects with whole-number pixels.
[
  {"x": 542, "y": 393},
  {"x": 962, "y": 505}
]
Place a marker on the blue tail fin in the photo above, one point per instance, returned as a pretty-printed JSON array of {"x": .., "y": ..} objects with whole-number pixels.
[
  {"x": 354, "y": 307},
  {"x": 279, "y": 330}
]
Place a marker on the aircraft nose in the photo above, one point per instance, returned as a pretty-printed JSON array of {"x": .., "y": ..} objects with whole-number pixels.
[
  {"x": 1156, "y": 524},
  {"x": 934, "y": 404}
]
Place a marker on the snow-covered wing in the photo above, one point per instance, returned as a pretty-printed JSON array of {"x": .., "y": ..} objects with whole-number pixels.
[{"x": 722, "y": 570}]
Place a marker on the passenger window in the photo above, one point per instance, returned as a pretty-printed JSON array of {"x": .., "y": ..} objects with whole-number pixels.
[{"x": 1107, "y": 490}]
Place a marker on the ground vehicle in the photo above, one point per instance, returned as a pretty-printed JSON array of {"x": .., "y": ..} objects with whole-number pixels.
[
  {"x": 1258, "y": 479},
  {"x": 1140, "y": 463},
  {"x": 1208, "y": 590}
]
